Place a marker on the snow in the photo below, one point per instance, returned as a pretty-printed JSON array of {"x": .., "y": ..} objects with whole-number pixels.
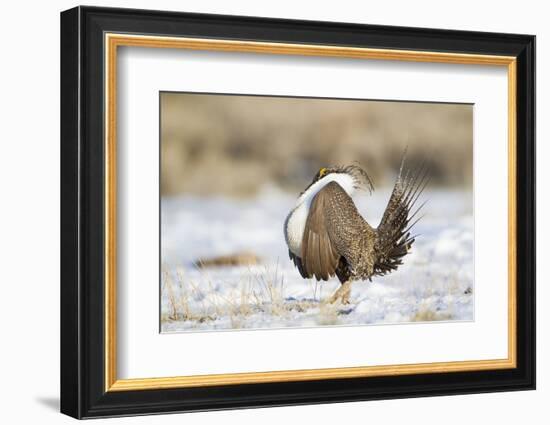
[{"x": 435, "y": 283}]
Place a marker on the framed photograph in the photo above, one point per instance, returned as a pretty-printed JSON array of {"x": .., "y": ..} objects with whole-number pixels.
[{"x": 261, "y": 212}]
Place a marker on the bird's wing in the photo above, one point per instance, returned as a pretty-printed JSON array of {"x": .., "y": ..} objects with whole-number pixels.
[
  {"x": 331, "y": 226},
  {"x": 393, "y": 238},
  {"x": 298, "y": 263}
]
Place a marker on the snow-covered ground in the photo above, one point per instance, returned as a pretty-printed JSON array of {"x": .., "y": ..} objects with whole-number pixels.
[{"x": 434, "y": 283}]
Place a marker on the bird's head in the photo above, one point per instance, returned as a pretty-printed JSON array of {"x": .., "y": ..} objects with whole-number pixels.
[{"x": 355, "y": 174}]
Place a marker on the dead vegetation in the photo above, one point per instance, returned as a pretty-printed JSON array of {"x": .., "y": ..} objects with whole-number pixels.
[
  {"x": 238, "y": 259},
  {"x": 258, "y": 299},
  {"x": 260, "y": 292},
  {"x": 260, "y": 295},
  {"x": 428, "y": 315}
]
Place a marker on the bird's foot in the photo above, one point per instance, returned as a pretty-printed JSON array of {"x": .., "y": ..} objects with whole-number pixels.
[{"x": 342, "y": 294}]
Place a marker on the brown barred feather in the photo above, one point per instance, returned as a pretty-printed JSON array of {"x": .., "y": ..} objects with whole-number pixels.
[
  {"x": 338, "y": 241},
  {"x": 334, "y": 229},
  {"x": 393, "y": 240},
  {"x": 319, "y": 258}
]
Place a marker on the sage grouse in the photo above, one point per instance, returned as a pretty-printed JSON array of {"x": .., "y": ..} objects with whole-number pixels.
[{"x": 327, "y": 236}]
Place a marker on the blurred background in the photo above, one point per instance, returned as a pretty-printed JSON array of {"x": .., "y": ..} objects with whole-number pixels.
[
  {"x": 232, "y": 168},
  {"x": 235, "y": 145}
]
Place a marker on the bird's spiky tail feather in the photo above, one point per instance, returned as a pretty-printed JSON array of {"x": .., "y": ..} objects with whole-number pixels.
[{"x": 393, "y": 236}]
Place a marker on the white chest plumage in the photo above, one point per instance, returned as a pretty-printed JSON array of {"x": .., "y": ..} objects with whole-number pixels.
[{"x": 296, "y": 220}]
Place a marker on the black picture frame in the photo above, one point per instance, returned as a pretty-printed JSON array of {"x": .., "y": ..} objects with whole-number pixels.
[{"x": 83, "y": 392}]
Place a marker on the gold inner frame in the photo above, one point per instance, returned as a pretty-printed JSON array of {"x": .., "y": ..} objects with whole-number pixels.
[{"x": 113, "y": 41}]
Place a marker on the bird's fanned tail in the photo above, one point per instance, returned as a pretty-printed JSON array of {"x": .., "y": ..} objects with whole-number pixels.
[{"x": 393, "y": 235}]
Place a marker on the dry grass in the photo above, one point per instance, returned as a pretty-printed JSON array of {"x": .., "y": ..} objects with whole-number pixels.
[
  {"x": 257, "y": 292},
  {"x": 429, "y": 315},
  {"x": 238, "y": 259},
  {"x": 261, "y": 292},
  {"x": 328, "y": 315}
]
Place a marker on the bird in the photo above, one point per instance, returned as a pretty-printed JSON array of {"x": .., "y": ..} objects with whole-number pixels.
[{"x": 327, "y": 236}]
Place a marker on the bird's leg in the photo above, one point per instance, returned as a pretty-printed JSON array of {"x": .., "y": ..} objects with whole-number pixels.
[
  {"x": 342, "y": 293},
  {"x": 346, "y": 294}
]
